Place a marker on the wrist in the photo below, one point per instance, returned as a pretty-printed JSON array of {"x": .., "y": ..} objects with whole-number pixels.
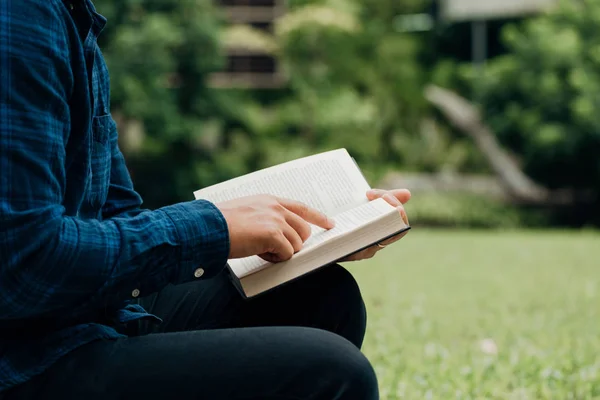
[{"x": 203, "y": 238}]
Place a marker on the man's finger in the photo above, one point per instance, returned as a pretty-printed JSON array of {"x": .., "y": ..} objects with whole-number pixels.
[
  {"x": 363, "y": 255},
  {"x": 394, "y": 239},
  {"x": 307, "y": 213},
  {"x": 404, "y": 216},
  {"x": 299, "y": 225},
  {"x": 281, "y": 250},
  {"x": 294, "y": 238},
  {"x": 392, "y": 200},
  {"x": 403, "y": 195}
]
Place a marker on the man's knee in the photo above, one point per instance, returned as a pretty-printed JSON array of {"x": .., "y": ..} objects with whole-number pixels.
[
  {"x": 344, "y": 372},
  {"x": 341, "y": 280},
  {"x": 358, "y": 377},
  {"x": 346, "y": 292}
]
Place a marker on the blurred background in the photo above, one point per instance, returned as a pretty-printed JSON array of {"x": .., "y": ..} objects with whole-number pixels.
[
  {"x": 205, "y": 90},
  {"x": 487, "y": 110}
]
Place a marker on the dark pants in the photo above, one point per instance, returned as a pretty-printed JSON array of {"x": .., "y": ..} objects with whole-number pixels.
[{"x": 299, "y": 342}]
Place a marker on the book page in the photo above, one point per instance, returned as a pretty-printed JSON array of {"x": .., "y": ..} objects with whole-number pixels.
[
  {"x": 344, "y": 223},
  {"x": 330, "y": 182}
]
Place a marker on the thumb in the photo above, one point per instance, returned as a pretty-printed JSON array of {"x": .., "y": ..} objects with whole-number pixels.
[{"x": 375, "y": 194}]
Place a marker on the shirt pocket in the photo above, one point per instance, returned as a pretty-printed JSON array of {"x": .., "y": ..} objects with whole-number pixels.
[{"x": 102, "y": 129}]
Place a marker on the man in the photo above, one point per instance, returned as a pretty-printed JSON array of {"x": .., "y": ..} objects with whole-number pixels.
[{"x": 99, "y": 298}]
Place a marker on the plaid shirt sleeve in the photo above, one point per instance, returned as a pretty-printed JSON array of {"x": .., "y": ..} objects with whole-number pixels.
[
  {"x": 51, "y": 261},
  {"x": 122, "y": 199}
]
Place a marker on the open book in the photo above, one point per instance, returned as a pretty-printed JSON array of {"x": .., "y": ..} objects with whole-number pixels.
[{"x": 332, "y": 183}]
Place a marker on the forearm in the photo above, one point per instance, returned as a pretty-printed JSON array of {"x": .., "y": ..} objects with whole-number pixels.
[{"x": 78, "y": 263}]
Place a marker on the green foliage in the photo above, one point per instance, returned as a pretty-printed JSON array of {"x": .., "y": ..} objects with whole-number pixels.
[
  {"x": 469, "y": 211},
  {"x": 159, "y": 54},
  {"x": 542, "y": 98},
  {"x": 355, "y": 82},
  {"x": 480, "y": 315},
  {"x": 352, "y": 82}
]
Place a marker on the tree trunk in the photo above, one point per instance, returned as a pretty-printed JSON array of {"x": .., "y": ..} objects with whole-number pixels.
[{"x": 465, "y": 117}]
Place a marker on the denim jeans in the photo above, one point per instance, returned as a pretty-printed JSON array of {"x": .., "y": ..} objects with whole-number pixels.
[{"x": 300, "y": 341}]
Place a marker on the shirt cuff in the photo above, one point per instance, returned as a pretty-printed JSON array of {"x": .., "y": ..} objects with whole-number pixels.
[{"x": 204, "y": 239}]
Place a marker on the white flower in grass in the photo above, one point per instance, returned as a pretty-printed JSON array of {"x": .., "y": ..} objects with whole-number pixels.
[{"x": 488, "y": 346}]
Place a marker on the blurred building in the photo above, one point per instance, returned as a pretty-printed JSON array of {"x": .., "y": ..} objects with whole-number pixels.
[
  {"x": 471, "y": 29},
  {"x": 247, "y": 66},
  {"x": 471, "y": 10},
  {"x": 251, "y": 67}
]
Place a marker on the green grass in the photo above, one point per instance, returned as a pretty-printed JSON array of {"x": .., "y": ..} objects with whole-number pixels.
[{"x": 434, "y": 297}]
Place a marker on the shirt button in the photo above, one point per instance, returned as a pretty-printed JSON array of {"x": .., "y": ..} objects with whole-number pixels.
[
  {"x": 135, "y": 293},
  {"x": 198, "y": 273}
]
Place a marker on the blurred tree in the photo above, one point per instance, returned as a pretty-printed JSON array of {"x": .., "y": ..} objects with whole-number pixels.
[
  {"x": 542, "y": 99},
  {"x": 352, "y": 80},
  {"x": 175, "y": 131}
]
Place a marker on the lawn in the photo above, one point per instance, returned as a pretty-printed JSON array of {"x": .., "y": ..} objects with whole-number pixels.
[{"x": 483, "y": 315}]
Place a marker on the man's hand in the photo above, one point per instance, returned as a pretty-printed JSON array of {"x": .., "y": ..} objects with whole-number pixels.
[
  {"x": 396, "y": 198},
  {"x": 272, "y": 228}
]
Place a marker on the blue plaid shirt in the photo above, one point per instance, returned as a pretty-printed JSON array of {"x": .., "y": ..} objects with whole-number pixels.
[{"x": 76, "y": 248}]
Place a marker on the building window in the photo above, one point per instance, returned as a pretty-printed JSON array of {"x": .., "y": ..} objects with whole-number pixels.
[{"x": 250, "y": 68}]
